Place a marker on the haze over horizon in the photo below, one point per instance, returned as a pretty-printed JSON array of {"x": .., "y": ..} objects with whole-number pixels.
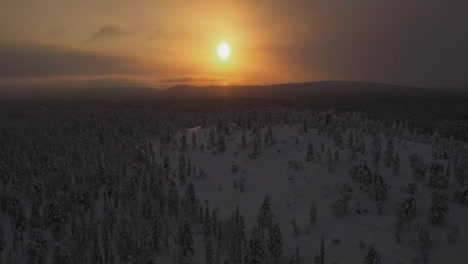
[{"x": 160, "y": 44}]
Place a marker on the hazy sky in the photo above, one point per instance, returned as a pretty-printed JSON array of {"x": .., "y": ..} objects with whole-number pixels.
[{"x": 162, "y": 43}]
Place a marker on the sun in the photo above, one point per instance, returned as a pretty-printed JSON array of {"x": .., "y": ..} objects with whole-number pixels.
[{"x": 224, "y": 50}]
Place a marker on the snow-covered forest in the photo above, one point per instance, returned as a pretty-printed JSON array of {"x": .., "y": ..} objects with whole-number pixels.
[{"x": 263, "y": 185}]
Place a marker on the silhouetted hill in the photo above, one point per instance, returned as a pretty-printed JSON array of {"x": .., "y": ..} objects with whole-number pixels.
[
  {"x": 117, "y": 92},
  {"x": 336, "y": 90},
  {"x": 295, "y": 90}
]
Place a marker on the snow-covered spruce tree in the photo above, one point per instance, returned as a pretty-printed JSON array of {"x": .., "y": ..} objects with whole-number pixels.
[
  {"x": 207, "y": 223},
  {"x": 295, "y": 227},
  {"x": 185, "y": 242},
  {"x": 460, "y": 170},
  {"x": 61, "y": 255},
  {"x": 379, "y": 188},
  {"x": 242, "y": 185},
  {"x": 425, "y": 243},
  {"x": 407, "y": 211},
  {"x": 329, "y": 160},
  {"x": 398, "y": 227},
  {"x": 194, "y": 141},
  {"x": 275, "y": 244},
  {"x": 173, "y": 201},
  {"x": 438, "y": 179},
  {"x": 340, "y": 207},
  {"x": 418, "y": 166},
  {"x": 191, "y": 202},
  {"x": 183, "y": 141},
  {"x": 396, "y": 163},
  {"x": 255, "y": 251},
  {"x": 2, "y": 241},
  {"x": 214, "y": 221},
  {"x": 310, "y": 152},
  {"x": 97, "y": 254},
  {"x": 54, "y": 217},
  {"x": 372, "y": 257},
  {"x": 461, "y": 195},
  {"x": 36, "y": 254},
  {"x": 296, "y": 258},
  {"x": 322, "y": 250},
  {"x": 221, "y": 142},
  {"x": 265, "y": 215},
  {"x": 125, "y": 239},
  {"x": 438, "y": 209},
  {"x": 146, "y": 246},
  {"x": 389, "y": 153},
  {"x": 243, "y": 141},
  {"x": 237, "y": 236},
  {"x": 209, "y": 253},
  {"x": 268, "y": 140},
  {"x": 313, "y": 215},
  {"x": 182, "y": 168},
  {"x": 211, "y": 142},
  {"x": 377, "y": 150},
  {"x": 350, "y": 139}
]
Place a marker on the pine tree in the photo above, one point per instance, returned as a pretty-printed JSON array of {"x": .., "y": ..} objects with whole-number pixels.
[
  {"x": 295, "y": 227},
  {"x": 194, "y": 141},
  {"x": 255, "y": 252},
  {"x": 207, "y": 223},
  {"x": 268, "y": 136},
  {"x": 36, "y": 254},
  {"x": 330, "y": 160},
  {"x": 2, "y": 241},
  {"x": 275, "y": 243},
  {"x": 389, "y": 153},
  {"x": 124, "y": 239},
  {"x": 185, "y": 242},
  {"x": 265, "y": 215},
  {"x": 191, "y": 202},
  {"x": 183, "y": 142},
  {"x": 209, "y": 254},
  {"x": 350, "y": 140},
  {"x": 211, "y": 142},
  {"x": 407, "y": 210},
  {"x": 310, "y": 152},
  {"x": 146, "y": 246},
  {"x": 61, "y": 255},
  {"x": 173, "y": 201},
  {"x": 313, "y": 215},
  {"x": 238, "y": 235},
  {"x": 54, "y": 216},
  {"x": 182, "y": 169},
  {"x": 243, "y": 141},
  {"x": 396, "y": 162},
  {"x": 372, "y": 257},
  {"x": 438, "y": 179},
  {"x": 221, "y": 142},
  {"x": 425, "y": 243},
  {"x": 438, "y": 209},
  {"x": 322, "y": 250}
]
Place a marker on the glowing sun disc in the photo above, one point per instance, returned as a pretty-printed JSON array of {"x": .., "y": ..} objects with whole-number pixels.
[{"x": 224, "y": 50}]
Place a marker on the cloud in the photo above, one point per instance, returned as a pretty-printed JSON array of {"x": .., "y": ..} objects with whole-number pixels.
[
  {"x": 31, "y": 60},
  {"x": 109, "y": 32},
  {"x": 57, "y": 32}
]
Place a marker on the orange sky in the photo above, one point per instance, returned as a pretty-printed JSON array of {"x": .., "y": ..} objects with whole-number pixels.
[{"x": 163, "y": 43}]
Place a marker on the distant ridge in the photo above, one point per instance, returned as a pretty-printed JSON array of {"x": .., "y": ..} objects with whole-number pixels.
[
  {"x": 292, "y": 90},
  {"x": 321, "y": 89}
]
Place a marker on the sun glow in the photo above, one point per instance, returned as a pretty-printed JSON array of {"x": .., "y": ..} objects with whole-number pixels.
[{"x": 224, "y": 50}]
